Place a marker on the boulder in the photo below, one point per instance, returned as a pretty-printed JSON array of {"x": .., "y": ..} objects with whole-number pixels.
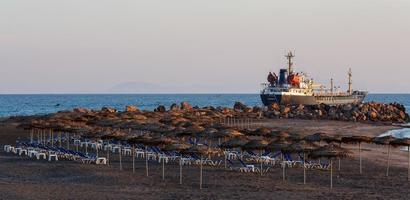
[
  {"x": 238, "y": 106},
  {"x": 130, "y": 108},
  {"x": 174, "y": 107},
  {"x": 186, "y": 106},
  {"x": 81, "y": 110},
  {"x": 274, "y": 106},
  {"x": 160, "y": 108},
  {"x": 108, "y": 110}
]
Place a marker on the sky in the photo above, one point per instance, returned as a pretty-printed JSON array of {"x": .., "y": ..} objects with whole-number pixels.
[{"x": 197, "y": 46}]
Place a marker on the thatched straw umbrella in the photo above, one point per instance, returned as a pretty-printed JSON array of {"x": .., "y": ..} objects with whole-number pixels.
[
  {"x": 161, "y": 141},
  {"x": 202, "y": 151},
  {"x": 235, "y": 142},
  {"x": 177, "y": 147},
  {"x": 256, "y": 145},
  {"x": 334, "y": 139},
  {"x": 330, "y": 151},
  {"x": 302, "y": 147},
  {"x": 404, "y": 142},
  {"x": 144, "y": 139},
  {"x": 117, "y": 136},
  {"x": 357, "y": 139},
  {"x": 208, "y": 133},
  {"x": 263, "y": 131},
  {"x": 281, "y": 135},
  {"x": 385, "y": 140},
  {"x": 280, "y": 145}
]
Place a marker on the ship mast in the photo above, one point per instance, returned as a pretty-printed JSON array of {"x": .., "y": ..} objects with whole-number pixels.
[
  {"x": 350, "y": 90},
  {"x": 289, "y": 56},
  {"x": 331, "y": 86}
]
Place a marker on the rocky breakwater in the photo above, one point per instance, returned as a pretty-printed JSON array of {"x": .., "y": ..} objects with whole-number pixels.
[{"x": 372, "y": 111}]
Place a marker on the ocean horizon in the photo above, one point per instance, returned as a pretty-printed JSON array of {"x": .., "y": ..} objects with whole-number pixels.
[{"x": 37, "y": 104}]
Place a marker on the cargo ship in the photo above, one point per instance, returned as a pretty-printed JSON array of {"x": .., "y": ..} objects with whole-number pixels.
[{"x": 294, "y": 88}]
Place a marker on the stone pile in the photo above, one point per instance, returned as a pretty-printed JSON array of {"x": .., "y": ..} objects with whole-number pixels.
[{"x": 371, "y": 111}]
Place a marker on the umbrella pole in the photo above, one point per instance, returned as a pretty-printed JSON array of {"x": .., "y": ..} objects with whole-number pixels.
[
  {"x": 260, "y": 153},
  {"x": 146, "y": 161},
  {"x": 304, "y": 168},
  {"x": 408, "y": 163},
  {"x": 200, "y": 175},
  {"x": 67, "y": 136},
  {"x": 180, "y": 171},
  {"x": 133, "y": 158},
  {"x": 331, "y": 173},
  {"x": 163, "y": 169},
  {"x": 120, "y": 158},
  {"x": 283, "y": 168},
  {"x": 225, "y": 159},
  {"x": 388, "y": 160},
  {"x": 108, "y": 156},
  {"x": 360, "y": 157}
]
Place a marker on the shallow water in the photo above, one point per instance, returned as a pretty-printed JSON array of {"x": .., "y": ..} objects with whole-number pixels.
[{"x": 29, "y": 104}]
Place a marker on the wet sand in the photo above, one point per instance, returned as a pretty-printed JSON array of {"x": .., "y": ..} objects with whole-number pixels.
[{"x": 23, "y": 178}]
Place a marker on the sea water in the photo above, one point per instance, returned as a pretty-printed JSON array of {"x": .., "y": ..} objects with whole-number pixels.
[{"x": 30, "y": 104}]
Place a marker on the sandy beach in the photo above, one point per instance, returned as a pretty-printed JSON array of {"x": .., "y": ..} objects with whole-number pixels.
[{"x": 24, "y": 178}]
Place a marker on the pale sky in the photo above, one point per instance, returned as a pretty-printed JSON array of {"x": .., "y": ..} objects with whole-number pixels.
[{"x": 207, "y": 46}]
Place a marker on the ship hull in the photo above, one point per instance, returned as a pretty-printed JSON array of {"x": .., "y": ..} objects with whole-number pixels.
[{"x": 269, "y": 99}]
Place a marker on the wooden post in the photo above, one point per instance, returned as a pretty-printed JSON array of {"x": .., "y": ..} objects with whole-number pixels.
[
  {"x": 49, "y": 137},
  {"x": 331, "y": 173},
  {"x": 133, "y": 158},
  {"x": 68, "y": 140},
  {"x": 304, "y": 168},
  {"x": 96, "y": 150},
  {"x": 146, "y": 161},
  {"x": 120, "y": 158},
  {"x": 108, "y": 156},
  {"x": 225, "y": 164},
  {"x": 388, "y": 160},
  {"x": 59, "y": 139},
  {"x": 360, "y": 157},
  {"x": 180, "y": 171},
  {"x": 408, "y": 163},
  {"x": 283, "y": 168},
  {"x": 200, "y": 175},
  {"x": 163, "y": 169},
  {"x": 260, "y": 154}
]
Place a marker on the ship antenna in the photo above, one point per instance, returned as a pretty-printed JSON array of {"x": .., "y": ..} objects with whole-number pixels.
[
  {"x": 350, "y": 80},
  {"x": 289, "y": 56}
]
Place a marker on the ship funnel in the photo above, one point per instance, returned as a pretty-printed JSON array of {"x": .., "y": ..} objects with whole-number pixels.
[{"x": 282, "y": 76}]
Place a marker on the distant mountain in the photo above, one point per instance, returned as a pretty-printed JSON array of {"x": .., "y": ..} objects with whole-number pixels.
[
  {"x": 144, "y": 87},
  {"x": 138, "y": 87}
]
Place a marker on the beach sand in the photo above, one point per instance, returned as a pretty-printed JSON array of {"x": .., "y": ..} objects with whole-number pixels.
[{"x": 23, "y": 178}]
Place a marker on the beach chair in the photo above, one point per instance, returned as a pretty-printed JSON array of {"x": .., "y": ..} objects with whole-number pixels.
[
  {"x": 245, "y": 167},
  {"x": 52, "y": 156}
]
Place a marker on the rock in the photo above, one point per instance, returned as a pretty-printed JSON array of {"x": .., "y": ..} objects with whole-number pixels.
[
  {"x": 274, "y": 106},
  {"x": 372, "y": 115},
  {"x": 130, "y": 108},
  {"x": 108, "y": 110},
  {"x": 160, "y": 108},
  {"x": 174, "y": 107},
  {"x": 256, "y": 109},
  {"x": 81, "y": 110},
  {"x": 186, "y": 106},
  {"x": 402, "y": 115},
  {"x": 238, "y": 106},
  {"x": 286, "y": 110},
  {"x": 140, "y": 117}
]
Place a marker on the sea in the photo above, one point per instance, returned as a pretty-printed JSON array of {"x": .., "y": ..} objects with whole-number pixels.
[{"x": 33, "y": 104}]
